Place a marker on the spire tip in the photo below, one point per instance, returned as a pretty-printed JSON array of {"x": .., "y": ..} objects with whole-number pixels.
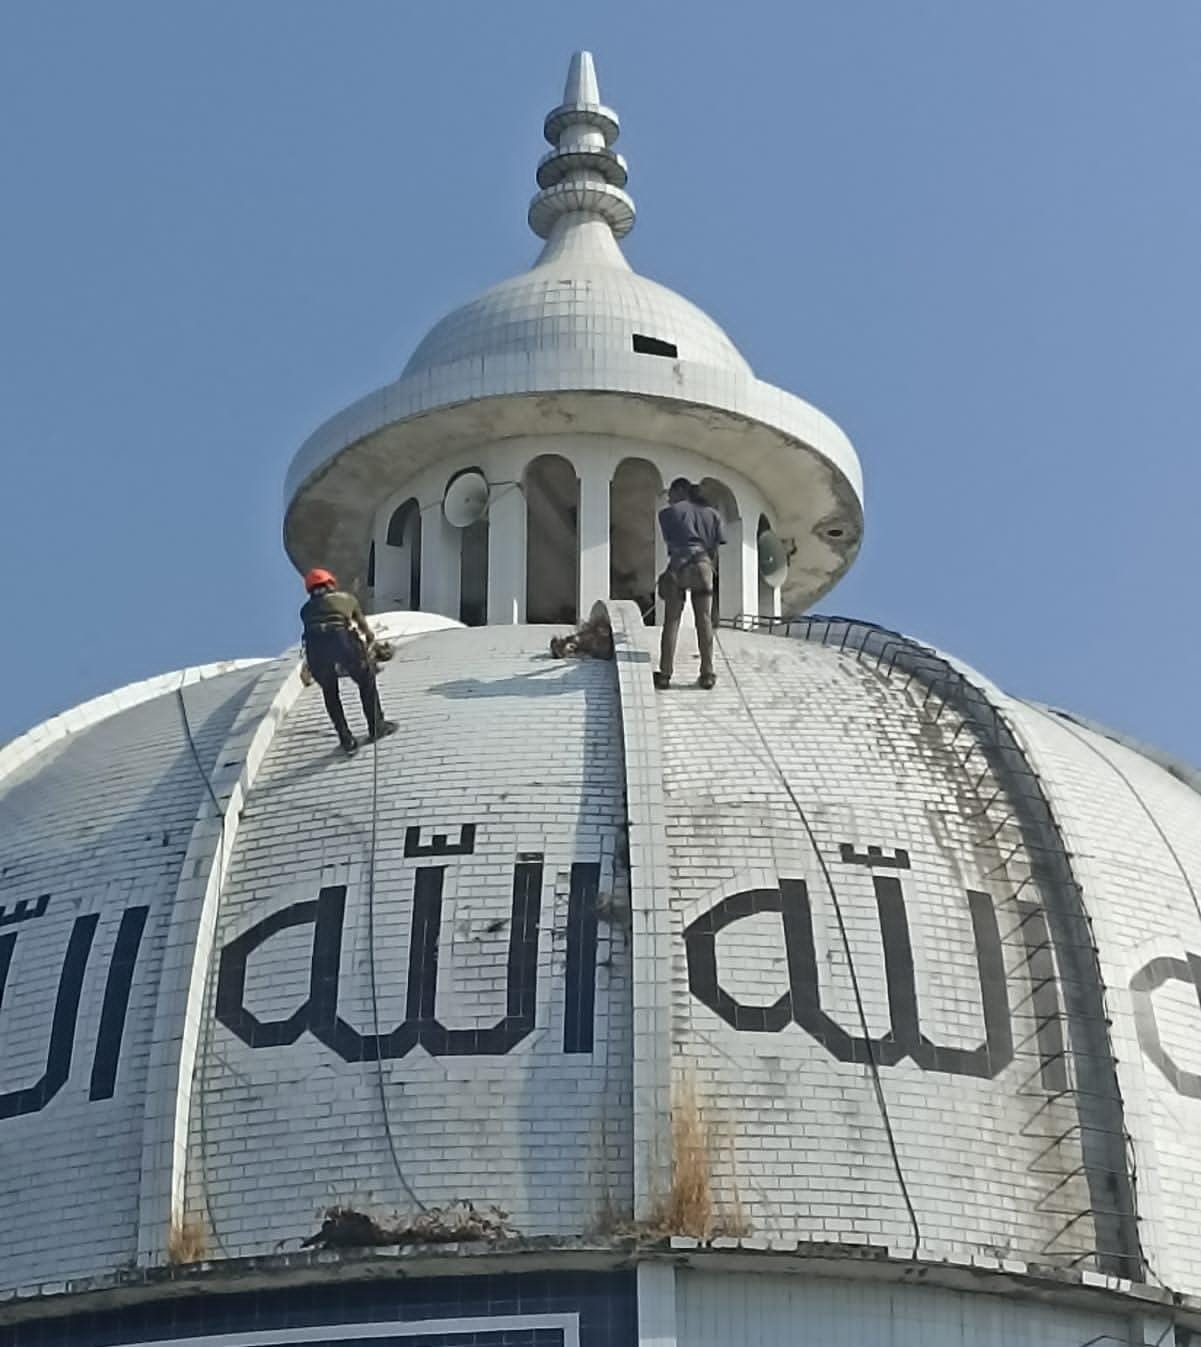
[{"x": 581, "y": 87}]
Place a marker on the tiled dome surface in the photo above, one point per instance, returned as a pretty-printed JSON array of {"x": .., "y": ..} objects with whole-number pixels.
[
  {"x": 555, "y": 896},
  {"x": 581, "y": 306}
]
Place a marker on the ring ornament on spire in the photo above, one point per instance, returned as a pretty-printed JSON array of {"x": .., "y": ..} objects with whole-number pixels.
[
  {"x": 582, "y": 175},
  {"x": 576, "y": 197},
  {"x": 595, "y": 116},
  {"x": 561, "y": 163}
]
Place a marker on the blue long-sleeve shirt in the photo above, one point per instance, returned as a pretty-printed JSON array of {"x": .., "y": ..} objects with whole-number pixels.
[{"x": 690, "y": 530}]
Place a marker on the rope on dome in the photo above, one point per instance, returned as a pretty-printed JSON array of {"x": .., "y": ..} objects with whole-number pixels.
[
  {"x": 1111, "y": 1175},
  {"x": 379, "y": 1057},
  {"x": 873, "y": 1065},
  {"x": 201, "y": 1123},
  {"x": 1064, "y": 722}
]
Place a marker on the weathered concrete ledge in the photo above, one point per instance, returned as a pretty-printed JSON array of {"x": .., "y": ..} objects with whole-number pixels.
[{"x": 847, "y": 1262}]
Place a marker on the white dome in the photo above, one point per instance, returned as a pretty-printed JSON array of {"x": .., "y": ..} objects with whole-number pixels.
[
  {"x": 556, "y": 910},
  {"x": 829, "y": 997},
  {"x": 581, "y": 293},
  {"x": 580, "y": 345},
  {"x": 576, "y": 305}
]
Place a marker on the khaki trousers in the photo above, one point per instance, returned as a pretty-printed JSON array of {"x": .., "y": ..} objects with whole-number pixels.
[{"x": 694, "y": 578}]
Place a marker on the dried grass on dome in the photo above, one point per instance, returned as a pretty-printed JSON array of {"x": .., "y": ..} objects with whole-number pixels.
[
  {"x": 187, "y": 1242},
  {"x": 689, "y": 1207}
]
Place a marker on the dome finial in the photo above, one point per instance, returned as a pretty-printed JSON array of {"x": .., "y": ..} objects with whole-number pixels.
[
  {"x": 582, "y": 176},
  {"x": 581, "y": 88}
]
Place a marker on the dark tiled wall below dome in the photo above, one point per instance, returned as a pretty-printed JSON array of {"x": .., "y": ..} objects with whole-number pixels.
[{"x": 532, "y": 1310}]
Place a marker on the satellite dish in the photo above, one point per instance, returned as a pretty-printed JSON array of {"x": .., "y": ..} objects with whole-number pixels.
[
  {"x": 773, "y": 559},
  {"x": 466, "y": 499}
]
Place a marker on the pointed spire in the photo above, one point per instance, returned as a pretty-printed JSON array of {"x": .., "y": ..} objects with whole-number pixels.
[
  {"x": 581, "y": 88},
  {"x": 582, "y": 177}
]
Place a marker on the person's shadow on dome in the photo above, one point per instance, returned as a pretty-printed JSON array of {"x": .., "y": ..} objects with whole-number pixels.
[{"x": 554, "y": 680}]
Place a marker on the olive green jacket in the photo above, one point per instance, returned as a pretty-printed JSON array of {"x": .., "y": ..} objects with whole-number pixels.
[{"x": 332, "y": 610}]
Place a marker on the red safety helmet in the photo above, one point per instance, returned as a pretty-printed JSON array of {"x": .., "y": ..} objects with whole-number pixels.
[{"x": 317, "y": 577}]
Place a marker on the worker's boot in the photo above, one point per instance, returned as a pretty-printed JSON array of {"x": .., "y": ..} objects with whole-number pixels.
[
  {"x": 382, "y": 728},
  {"x": 349, "y": 744},
  {"x": 707, "y": 680},
  {"x": 662, "y": 680}
]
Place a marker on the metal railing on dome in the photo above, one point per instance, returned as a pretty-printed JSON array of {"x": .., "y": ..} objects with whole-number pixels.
[{"x": 1085, "y": 1164}]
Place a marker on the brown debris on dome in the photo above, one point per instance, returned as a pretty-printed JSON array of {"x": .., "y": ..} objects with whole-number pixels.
[{"x": 458, "y": 1223}]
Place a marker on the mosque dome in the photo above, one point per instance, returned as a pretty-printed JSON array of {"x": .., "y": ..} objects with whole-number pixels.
[
  {"x": 581, "y": 293},
  {"x": 856, "y": 957},
  {"x": 853, "y": 993},
  {"x": 576, "y": 303},
  {"x": 579, "y": 344}
]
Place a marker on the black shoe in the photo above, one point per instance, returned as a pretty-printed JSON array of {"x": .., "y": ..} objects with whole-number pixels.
[
  {"x": 662, "y": 681},
  {"x": 383, "y": 729},
  {"x": 707, "y": 681},
  {"x": 350, "y": 745}
]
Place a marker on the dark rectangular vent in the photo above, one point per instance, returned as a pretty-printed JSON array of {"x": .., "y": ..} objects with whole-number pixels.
[{"x": 653, "y": 346}]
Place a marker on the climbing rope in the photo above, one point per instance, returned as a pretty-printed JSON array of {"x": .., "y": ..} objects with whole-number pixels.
[
  {"x": 873, "y": 1065},
  {"x": 1066, "y": 724},
  {"x": 379, "y": 1057}
]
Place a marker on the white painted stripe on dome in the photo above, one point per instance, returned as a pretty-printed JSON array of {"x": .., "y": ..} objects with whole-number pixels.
[
  {"x": 650, "y": 901},
  {"x": 190, "y": 938},
  {"x": 187, "y": 956},
  {"x": 19, "y": 751}
]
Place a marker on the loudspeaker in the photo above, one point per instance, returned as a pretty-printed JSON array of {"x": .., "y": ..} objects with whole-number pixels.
[
  {"x": 773, "y": 560},
  {"x": 466, "y": 499}
]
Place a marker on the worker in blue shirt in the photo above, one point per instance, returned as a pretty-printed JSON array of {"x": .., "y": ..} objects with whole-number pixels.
[{"x": 692, "y": 530}]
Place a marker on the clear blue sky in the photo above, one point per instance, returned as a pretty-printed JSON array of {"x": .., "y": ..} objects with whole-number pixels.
[{"x": 969, "y": 231}]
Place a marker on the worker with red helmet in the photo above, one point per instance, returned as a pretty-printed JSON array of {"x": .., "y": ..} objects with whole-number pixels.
[{"x": 337, "y": 641}]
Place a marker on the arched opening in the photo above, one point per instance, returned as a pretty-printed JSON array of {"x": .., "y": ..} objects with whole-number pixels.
[
  {"x": 473, "y": 574},
  {"x": 633, "y": 498},
  {"x": 552, "y": 502},
  {"x": 398, "y": 567},
  {"x": 727, "y": 600}
]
